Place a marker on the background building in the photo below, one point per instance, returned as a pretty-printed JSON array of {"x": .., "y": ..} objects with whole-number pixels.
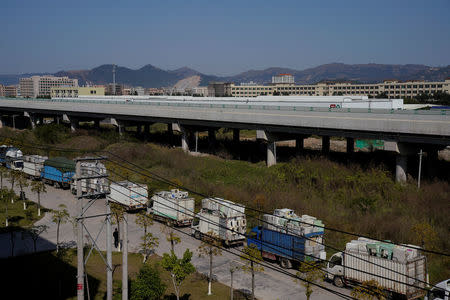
[
  {"x": 112, "y": 89},
  {"x": 386, "y": 89},
  {"x": 74, "y": 92},
  {"x": 40, "y": 86},
  {"x": 283, "y": 78},
  {"x": 11, "y": 91},
  {"x": 2, "y": 90},
  {"x": 219, "y": 89}
]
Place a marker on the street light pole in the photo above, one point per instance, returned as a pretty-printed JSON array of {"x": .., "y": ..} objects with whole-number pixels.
[{"x": 420, "y": 168}]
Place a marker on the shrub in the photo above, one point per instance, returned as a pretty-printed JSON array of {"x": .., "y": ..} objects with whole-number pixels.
[{"x": 148, "y": 284}]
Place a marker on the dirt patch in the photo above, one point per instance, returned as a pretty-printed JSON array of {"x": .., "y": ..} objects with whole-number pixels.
[{"x": 84, "y": 142}]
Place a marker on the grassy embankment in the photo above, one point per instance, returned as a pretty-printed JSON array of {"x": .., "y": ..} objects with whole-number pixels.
[{"x": 357, "y": 196}]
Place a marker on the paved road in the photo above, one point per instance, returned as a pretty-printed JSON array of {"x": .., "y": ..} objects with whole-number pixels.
[{"x": 269, "y": 285}]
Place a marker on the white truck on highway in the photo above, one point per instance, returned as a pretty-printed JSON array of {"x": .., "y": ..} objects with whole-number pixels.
[
  {"x": 173, "y": 207},
  {"x": 224, "y": 219},
  {"x": 399, "y": 270},
  {"x": 33, "y": 164},
  {"x": 128, "y": 194},
  {"x": 95, "y": 186}
]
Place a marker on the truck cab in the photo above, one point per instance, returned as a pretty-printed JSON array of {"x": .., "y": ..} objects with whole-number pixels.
[
  {"x": 440, "y": 292},
  {"x": 254, "y": 237},
  {"x": 335, "y": 269}
]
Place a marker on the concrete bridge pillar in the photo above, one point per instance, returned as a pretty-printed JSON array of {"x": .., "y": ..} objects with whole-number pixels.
[
  {"x": 271, "y": 153},
  {"x": 184, "y": 135},
  {"x": 236, "y": 143},
  {"x": 97, "y": 124},
  {"x": 401, "y": 163},
  {"x": 212, "y": 140},
  {"x": 138, "y": 129},
  {"x": 31, "y": 117},
  {"x": 73, "y": 124},
  {"x": 325, "y": 144},
  {"x": 299, "y": 144},
  {"x": 350, "y": 145}
]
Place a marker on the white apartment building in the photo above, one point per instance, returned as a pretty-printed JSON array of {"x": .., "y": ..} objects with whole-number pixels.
[
  {"x": 389, "y": 88},
  {"x": 40, "y": 86},
  {"x": 283, "y": 78}
]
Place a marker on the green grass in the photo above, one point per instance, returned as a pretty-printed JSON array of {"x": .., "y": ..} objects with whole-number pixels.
[
  {"x": 52, "y": 276},
  {"x": 17, "y": 216}
]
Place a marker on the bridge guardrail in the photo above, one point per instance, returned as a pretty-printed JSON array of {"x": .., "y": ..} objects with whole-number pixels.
[{"x": 238, "y": 106}]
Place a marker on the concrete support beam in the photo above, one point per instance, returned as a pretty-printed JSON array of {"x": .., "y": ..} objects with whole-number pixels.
[
  {"x": 271, "y": 153},
  {"x": 350, "y": 145},
  {"x": 170, "y": 133},
  {"x": 32, "y": 119},
  {"x": 138, "y": 129},
  {"x": 96, "y": 123},
  {"x": 236, "y": 143},
  {"x": 73, "y": 124},
  {"x": 146, "y": 129},
  {"x": 299, "y": 144},
  {"x": 184, "y": 140},
  {"x": 401, "y": 163},
  {"x": 325, "y": 144},
  {"x": 212, "y": 140}
]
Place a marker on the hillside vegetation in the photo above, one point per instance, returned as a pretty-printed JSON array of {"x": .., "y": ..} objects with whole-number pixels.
[{"x": 346, "y": 196}]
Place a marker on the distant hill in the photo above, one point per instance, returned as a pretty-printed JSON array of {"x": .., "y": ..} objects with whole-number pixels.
[{"x": 151, "y": 76}]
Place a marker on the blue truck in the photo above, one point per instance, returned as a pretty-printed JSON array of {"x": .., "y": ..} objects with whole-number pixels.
[
  {"x": 286, "y": 249},
  {"x": 58, "y": 171}
]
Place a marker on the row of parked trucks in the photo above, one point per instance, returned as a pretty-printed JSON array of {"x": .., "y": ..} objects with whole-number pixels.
[{"x": 283, "y": 236}]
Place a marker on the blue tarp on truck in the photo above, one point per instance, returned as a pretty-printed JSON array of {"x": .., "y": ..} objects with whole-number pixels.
[
  {"x": 286, "y": 247},
  {"x": 58, "y": 170}
]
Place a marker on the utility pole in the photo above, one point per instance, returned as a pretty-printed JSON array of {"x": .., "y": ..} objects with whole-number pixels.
[
  {"x": 125, "y": 257},
  {"x": 109, "y": 280},
  {"x": 114, "y": 79},
  {"x": 420, "y": 168},
  {"x": 81, "y": 229},
  {"x": 80, "y": 254}
]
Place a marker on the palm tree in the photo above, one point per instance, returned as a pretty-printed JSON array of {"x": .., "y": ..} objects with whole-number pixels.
[
  {"x": 6, "y": 194},
  {"x": 38, "y": 187},
  {"x": 22, "y": 182},
  {"x": 59, "y": 217}
]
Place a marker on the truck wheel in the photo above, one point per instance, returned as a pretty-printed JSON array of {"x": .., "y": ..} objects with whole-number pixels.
[
  {"x": 285, "y": 263},
  {"x": 337, "y": 280},
  {"x": 197, "y": 235}
]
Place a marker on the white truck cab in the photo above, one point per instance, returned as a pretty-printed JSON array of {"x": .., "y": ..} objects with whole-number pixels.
[
  {"x": 440, "y": 292},
  {"x": 335, "y": 270}
]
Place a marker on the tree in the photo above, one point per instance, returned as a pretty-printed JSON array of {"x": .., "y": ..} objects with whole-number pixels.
[
  {"x": 368, "y": 290},
  {"x": 251, "y": 258},
  {"x": 59, "y": 217},
  {"x": 311, "y": 273},
  {"x": 38, "y": 187},
  {"x": 179, "y": 268},
  {"x": 171, "y": 236},
  {"x": 117, "y": 211},
  {"x": 147, "y": 285},
  {"x": 3, "y": 174},
  {"x": 210, "y": 246},
  {"x": 149, "y": 242},
  {"x": 13, "y": 176},
  {"x": 34, "y": 233},
  {"x": 21, "y": 182},
  {"x": 144, "y": 220},
  {"x": 6, "y": 196}
]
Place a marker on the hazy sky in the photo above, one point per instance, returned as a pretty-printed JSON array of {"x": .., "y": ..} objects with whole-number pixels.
[{"x": 220, "y": 37}]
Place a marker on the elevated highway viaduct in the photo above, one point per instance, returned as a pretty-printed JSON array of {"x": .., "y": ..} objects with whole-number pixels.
[{"x": 405, "y": 132}]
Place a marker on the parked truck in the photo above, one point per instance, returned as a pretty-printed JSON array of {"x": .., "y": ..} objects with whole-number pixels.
[
  {"x": 128, "y": 194},
  {"x": 286, "y": 238},
  {"x": 33, "y": 164},
  {"x": 95, "y": 186},
  {"x": 174, "y": 207},
  {"x": 58, "y": 171},
  {"x": 222, "y": 218},
  {"x": 11, "y": 157},
  {"x": 400, "y": 270}
]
